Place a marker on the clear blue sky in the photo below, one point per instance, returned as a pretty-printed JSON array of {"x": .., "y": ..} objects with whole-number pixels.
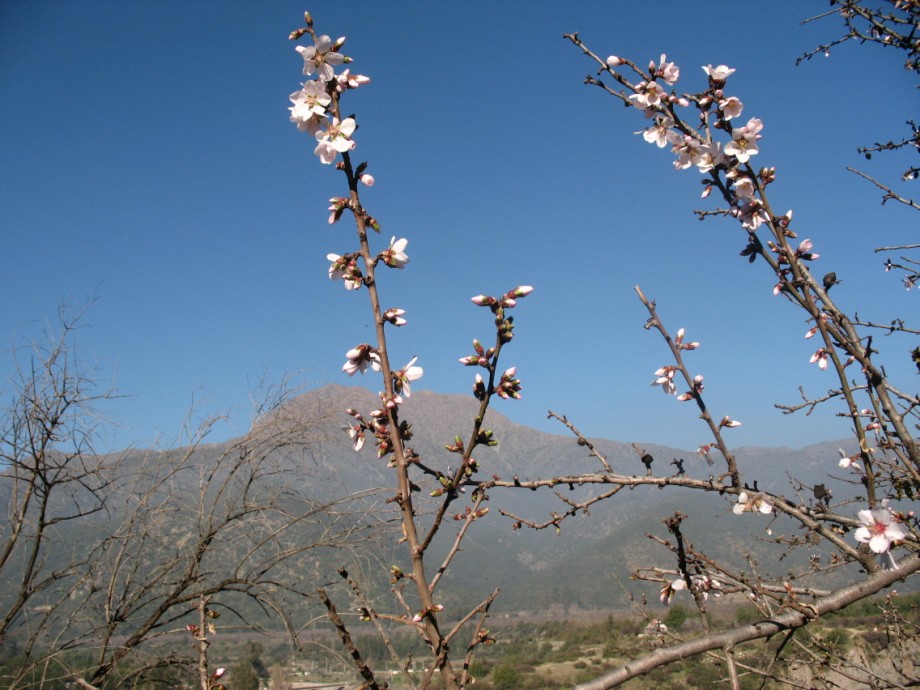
[{"x": 147, "y": 165}]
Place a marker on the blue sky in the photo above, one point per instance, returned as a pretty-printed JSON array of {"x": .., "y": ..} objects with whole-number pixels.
[{"x": 149, "y": 170}]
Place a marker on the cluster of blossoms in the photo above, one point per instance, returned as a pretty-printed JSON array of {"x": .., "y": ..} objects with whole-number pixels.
[
  {"x": 727, "y": 165},
  {"x": 698, "y": 146},
  {"x": 378, "y": 425},
  {"x": 311, "y": 104},
  {"x": 702, "y": 584},
  {"x": 752, "y": 503}
]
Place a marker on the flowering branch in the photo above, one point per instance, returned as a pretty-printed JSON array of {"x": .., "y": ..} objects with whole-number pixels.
[{"x": 316, "y": 110}]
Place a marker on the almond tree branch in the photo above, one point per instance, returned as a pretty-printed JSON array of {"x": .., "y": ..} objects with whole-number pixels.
[{"x": 789, "y": 620}]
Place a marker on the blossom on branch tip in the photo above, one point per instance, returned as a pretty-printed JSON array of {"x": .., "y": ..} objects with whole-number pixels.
[
  {"x": 479, "y": 388},
  {"x": 804, "y": 251},
  {"x": 667, "y": 71},
  {"x": 718, "y": 74},
  {"x": 820, "y": 357},
  {"x": 360, "y": 358},
  {"x": 338, "y": 205},
  {"x": 728, "y": 422},
  {"x": 847, "y": 461},
  {"x": 347, "y": 80},
  {"x": 878, "y": 529},
  {"x": 697, "y": 389},
  {"x": 404, "y": 376},
  {"x": 483, "y": 300},
  {"x": 731, "y": 107},
  {"x": 681, "y": 345},
  {"x": 395, "y": 256},
  {"x": 508, "y": 386},
  {"x": 356, "y": 434},
  {"x": 510, "y": 298},
  {"x": 664, "y": 377},
  {"x": 321, "y": 57},
  {"x": 752, "y": 504},
  {"x": 395, "y": 316}
]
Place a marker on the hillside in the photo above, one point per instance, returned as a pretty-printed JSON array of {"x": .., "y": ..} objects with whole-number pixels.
[{"x": 584, "y": 566}]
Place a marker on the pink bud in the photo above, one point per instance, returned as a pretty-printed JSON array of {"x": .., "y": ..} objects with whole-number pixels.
[
  {"x": 367, "y": 179},
  {"x": 614, "y": 61}
]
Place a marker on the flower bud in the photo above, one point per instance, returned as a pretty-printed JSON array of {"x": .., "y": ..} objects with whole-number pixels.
[{"x": 614, "y": 61}]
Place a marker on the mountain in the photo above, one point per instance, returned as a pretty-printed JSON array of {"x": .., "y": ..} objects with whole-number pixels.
[{"x": 583, "y": 566}]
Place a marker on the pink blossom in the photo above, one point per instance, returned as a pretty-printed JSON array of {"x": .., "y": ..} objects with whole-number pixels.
[
  {"x": 665, "y": 379},
  {"x": 395, "y": 256},
  {"x": 804, "y": 251},
  {"x": 403, "y": 377},
  {"x": 659, "y": 132},
  {"x": 667, "y": 592},
  {"x": 820, "y": 357},
  {"x": 395, "y": 316},
  {"x": 648, "y": 94},
  {"x": 335, "y": 139},
  {"x": 347, "y": 80},
  {"x": 847, "y": 461},
  {"x": 710, "y": 157},
  {"x": 751, "y": 213},
  {"x": 345, "y": 268},
  {"x": 704, "y": 452},
  {"x": 689, "y": 150},
  {"x": 731, "y": 107},
  {"x": 681, "y": 345},
  {"x": 697, "y": 389},
  {"x": 744, "y": 188},
  {"x": 752, "y": 504},
  {"x": 321, "y": 57},
  {"x": 667, "y": 71},
  {"x": 356, "y": 434},
  {"x": 360, "y": 358},
  {"x": 878, "y": 530},
  {"x": 744, "y": 141},
  {"x": 614, "y": 61},
  {"x": 718, "y": 74},
  {"x": 367, "y": 180},
  {"x": 729, "y": 423},
  {"x": 508, "y": 386},
  {"x": 309, "y": 106}
]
